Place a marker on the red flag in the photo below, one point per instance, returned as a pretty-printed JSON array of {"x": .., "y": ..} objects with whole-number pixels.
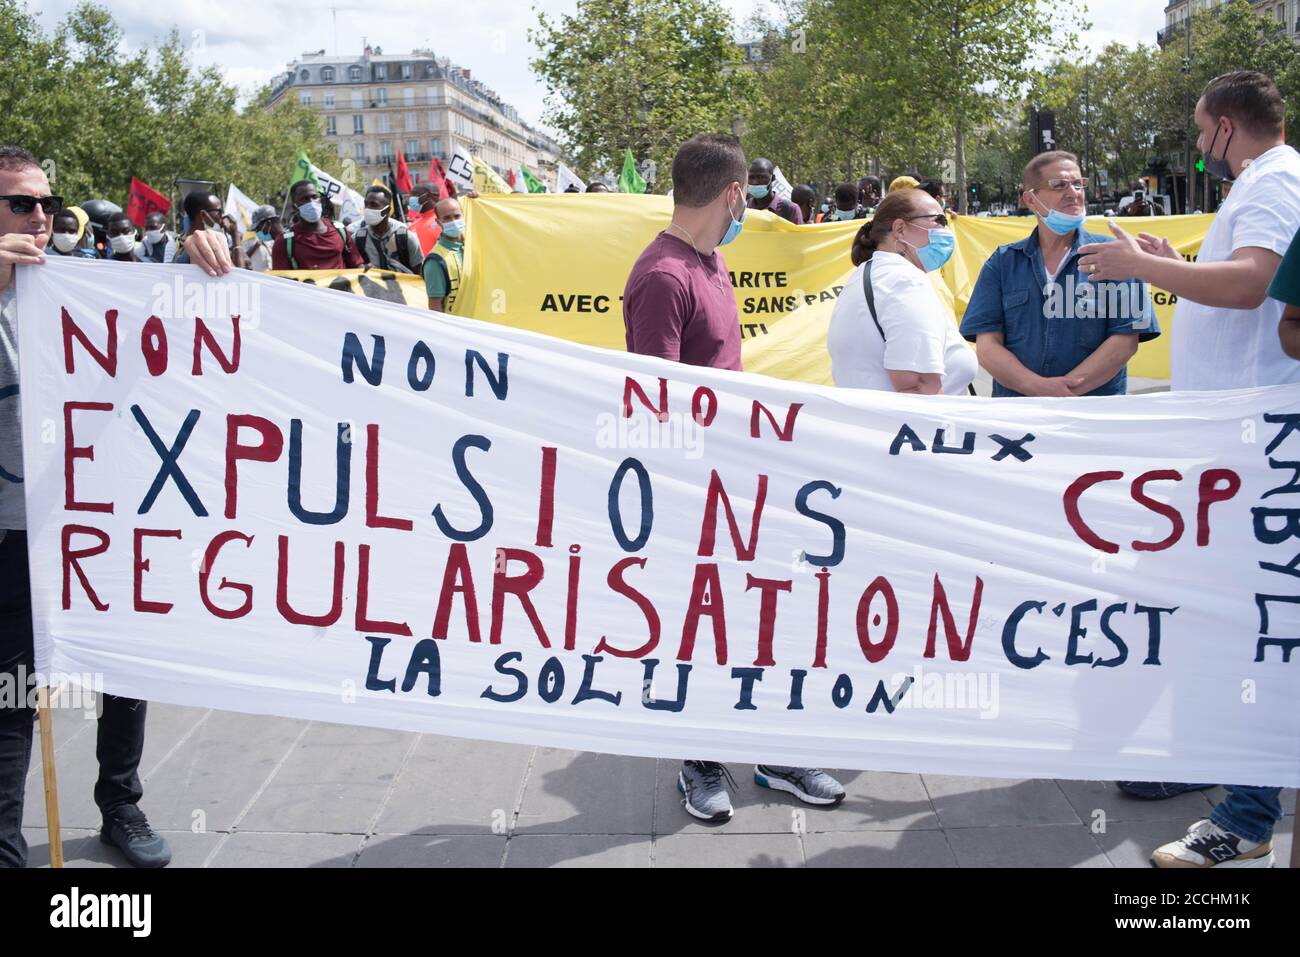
[
  {"x": 144, "y": 200},
  {"x": 403, "y": 175},
  {"x": 510, "y": 177},
  {"x": 439, "y": 179}
]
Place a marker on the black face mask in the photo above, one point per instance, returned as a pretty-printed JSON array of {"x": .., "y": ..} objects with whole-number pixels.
[{"x": 1219, "y": 167}]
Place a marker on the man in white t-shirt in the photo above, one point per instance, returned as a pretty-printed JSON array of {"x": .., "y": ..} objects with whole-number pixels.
[{"x": 1226, "y": 337}]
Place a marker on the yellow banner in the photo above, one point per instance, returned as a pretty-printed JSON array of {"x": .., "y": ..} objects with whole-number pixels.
[{"x": 557, "y": 264}]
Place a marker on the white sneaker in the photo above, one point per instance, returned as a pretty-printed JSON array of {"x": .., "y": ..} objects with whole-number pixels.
[{"x": 1208, "y": 845}]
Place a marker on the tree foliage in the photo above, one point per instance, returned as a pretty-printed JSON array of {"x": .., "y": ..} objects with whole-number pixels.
[
  {"x": 97, "y": 114},
  {"x": 644, "y": 75}
]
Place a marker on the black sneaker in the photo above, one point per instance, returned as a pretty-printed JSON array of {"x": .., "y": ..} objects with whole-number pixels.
[{"x": 127, "y": 829}]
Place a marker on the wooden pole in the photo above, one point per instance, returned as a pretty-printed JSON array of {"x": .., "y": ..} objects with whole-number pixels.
[{"x": 51, "y": 782}]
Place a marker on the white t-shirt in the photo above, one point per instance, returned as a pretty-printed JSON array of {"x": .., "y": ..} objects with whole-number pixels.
[
  {"x": 1214, "y": 348},
  {"x": 920, "y": 334}
]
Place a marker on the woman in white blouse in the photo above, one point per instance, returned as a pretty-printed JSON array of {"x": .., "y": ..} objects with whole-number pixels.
[{"x": 890, "y": 330}]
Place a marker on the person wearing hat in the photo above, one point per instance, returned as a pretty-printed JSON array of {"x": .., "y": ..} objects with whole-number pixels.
[
  {"x": 904, "y": 182},
  {"x": 69, "y": 233},
  {"x": 266, "y": 229}
]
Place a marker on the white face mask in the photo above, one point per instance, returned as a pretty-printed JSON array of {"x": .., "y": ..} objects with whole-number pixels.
[
  {"x": 65, "y": 242},
  {"x": 374, "y": 217},
  {"x": 153, "y": 236},
  {"x": 122, "y": 244}
]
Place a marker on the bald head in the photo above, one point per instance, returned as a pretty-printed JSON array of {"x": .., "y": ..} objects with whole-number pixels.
[{"x": 448, "y": 209}]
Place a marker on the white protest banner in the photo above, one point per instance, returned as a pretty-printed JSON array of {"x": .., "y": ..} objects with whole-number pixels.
[
  {"x": 461, "y": 170},
  {"x": 256, "y": 495},
  {"x": 240, "y": 208},
  {"x": 780, "y": 185},
  {"x": 565, "y": 177}
]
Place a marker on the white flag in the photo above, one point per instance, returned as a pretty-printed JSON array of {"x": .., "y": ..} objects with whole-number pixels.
[
  {"x": 565, "y": 178},
  {"x": 461, "y": 170},
  {"x": 348, "y": 200},
  {"x": 520, "y": 186},
  {"x": 240, "y": 208},
  {"x": 780, "y": 185}
]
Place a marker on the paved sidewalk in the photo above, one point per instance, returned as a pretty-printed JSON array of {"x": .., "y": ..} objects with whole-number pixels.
[{"x": 233, "y": 790}]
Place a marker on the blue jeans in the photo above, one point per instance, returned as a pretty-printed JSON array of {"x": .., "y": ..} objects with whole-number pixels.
[{"x": 1249, "y": 812}]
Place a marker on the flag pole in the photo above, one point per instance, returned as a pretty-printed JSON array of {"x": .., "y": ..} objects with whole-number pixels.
[{"x": 48, "y": 773}]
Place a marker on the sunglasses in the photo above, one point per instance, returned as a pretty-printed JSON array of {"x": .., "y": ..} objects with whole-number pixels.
[
  {"x": 939, "y": 219},
  {"x": 22, "y": 205}
]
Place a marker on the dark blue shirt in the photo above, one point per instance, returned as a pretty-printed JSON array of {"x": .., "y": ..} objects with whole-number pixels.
[{"x": 1051, "y": 329}]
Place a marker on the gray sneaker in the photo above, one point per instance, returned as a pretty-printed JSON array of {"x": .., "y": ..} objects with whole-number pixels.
[
  {"x": 704, "y": 788},
  {"x": 810, "y": 785}
]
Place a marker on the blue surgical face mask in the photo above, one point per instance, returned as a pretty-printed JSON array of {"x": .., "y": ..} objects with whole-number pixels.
[
  {"x": 1062, "y": 223},
  {"x": 938, "y": 251},
  {"x": 264, "y": 237},
  {"x": 842, "y": 214},
  {"x": 455, "y": 229},
  {"x": 311, "y": 212},
  {"x": 736, "y": 224},
  {"x": 413, "y": 204},
  {"x": 760, "y": 192}
]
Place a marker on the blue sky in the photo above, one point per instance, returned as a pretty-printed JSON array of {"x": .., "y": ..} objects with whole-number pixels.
[{"x": 251, "y": 42}]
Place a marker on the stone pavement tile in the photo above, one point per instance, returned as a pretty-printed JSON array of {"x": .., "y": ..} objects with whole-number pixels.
[
  {"x": 244, "y": 849},
  {"x": 911, "y": 848},
  {"x": 988, "y": 802},
  {"x": 580, "y": 792},
  {"x": 335, "y": 781},
  {"x": 38, "y": 844},
  {"x": 1087, "y": 797},
  {"x": 877, "y": 801},
  {"x": 417, "y": 850},
  {"x": 758, "y": 810},
  {"x": 1131, "y": 844},
  {"x": 728, "y": 850},
  {"x": 1049, "y": 845},
  {"x": 188, "y": 850},
  {"x": 218, "y": 770},
  {"x": 456, "y": 786},
  {"x": 578, "y": 850}
]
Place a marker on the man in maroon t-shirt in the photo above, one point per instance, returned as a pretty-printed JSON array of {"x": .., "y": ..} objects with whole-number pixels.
[
  {"x": 679, "y": 305},
  {"x": 317, "y": 243}
]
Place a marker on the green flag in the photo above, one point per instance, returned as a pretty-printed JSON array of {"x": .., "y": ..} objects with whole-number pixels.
[
  {"x": 533, "y": 184},
  {"x": 630, "y": 181},
  {"x": 302, "y": 169}
]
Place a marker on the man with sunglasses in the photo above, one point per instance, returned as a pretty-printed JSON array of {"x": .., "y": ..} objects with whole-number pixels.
[
  {"x": 1040, "y": 327},
  {"x": 27, "y": 211}
]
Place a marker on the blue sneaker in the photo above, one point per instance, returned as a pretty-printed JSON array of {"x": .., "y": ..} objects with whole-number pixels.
[
  {"x": 810, "y": 785},
  {"x": 1158, "y": 790},
  {"x": 704, "y": 790}
]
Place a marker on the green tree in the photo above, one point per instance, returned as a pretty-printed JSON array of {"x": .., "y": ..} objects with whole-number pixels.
[
  {"x": 644, "y": 75},
  {"x": 98, "y": 116}
]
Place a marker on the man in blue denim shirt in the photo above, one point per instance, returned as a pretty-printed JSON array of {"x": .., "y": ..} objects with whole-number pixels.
[{"x": 1039, "y": 327}]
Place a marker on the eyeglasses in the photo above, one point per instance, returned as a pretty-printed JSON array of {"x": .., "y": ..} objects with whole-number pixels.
[
  {"x": 939, "y": 219},
  {"x": 22, "y": 205},
  {"x": 1061, "y": 185}
]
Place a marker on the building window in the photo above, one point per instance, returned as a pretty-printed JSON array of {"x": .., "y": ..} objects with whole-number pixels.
[
  {"x": 385, "y": 150},
  {"x": 359, "y": 152},
  {"x": 327, "y": 74},
  {"x": 381, "y": 71},
  {"x": 435, "y": 147},
  {"x": 381, "y": 96},
  {"x": 406, "y": 71},
  {"x": 383, "y": 123},
  {"x": 358, "y": 123},
  {"x": 412, "y": 147},
  {"x": 354, "y": 74},
  {"x": 305, "y": 75},
  {"x": 412, "y": 120},
  {"x": 304, "y": 99},
  {"x": 331, "y": 125},
  {"x": 356, "y": 99},
  {"x": 329, "y": 101},
  {"x": 408, "y": 96}
]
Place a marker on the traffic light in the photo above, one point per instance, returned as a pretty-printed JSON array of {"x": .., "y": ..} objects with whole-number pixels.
[{"x": 1200, "y": 165}]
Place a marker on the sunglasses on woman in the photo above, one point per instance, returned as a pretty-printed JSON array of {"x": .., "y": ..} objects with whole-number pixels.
[
  {"x": 22, "y": 205},
  {"x": 939, "y": 219}
]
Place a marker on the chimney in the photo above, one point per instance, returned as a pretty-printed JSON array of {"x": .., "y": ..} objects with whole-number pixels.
[
  {"x": 465, "y": 74},
  {"x": 367, "y": 51}
]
